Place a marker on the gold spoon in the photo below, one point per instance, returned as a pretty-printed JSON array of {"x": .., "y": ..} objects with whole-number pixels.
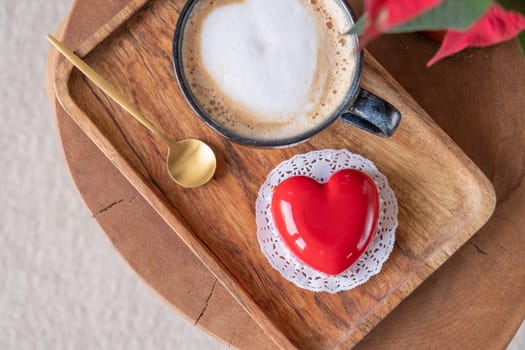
[{"x": 191, "y": 163}]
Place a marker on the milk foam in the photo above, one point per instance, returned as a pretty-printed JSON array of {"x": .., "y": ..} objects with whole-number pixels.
[
  {"x": 268, "y": 69},
  {"x": 263, "y": 54}
]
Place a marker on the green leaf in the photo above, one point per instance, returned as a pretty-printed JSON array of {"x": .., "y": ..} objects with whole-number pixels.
[
  {"x": 521, "y": 41},
  {"x": 514, "y": 5},
  {"x": 457, "y": 14},
  {"x": 358, "y": 26}
]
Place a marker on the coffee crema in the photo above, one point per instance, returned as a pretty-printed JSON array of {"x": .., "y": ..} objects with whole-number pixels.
[{"x": 268, "y": 69}]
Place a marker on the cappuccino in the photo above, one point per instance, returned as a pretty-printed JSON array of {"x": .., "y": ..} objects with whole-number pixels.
[{"x": 268, "y": 69}]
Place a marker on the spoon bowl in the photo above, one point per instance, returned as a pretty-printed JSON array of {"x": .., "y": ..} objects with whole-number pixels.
[{"x": 191, "y": 163}]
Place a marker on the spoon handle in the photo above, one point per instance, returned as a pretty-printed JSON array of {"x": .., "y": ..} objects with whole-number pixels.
[{"x": 105, "y": 86}]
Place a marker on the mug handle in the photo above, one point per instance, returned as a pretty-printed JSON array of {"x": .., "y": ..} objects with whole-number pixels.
[{"x": 372, "y": 114}]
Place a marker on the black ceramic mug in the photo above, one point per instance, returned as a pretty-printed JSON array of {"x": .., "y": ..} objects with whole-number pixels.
[{"x": 359, "y": 108}]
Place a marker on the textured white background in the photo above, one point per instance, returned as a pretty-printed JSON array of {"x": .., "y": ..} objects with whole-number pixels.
[{"x": 62, "y": 285}]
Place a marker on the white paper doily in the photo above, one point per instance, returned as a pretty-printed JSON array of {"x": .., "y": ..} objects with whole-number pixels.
[{"x": 320, "y": 165}]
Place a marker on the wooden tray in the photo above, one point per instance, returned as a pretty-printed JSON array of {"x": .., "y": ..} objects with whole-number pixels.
[{"x": 443, "y": 197}]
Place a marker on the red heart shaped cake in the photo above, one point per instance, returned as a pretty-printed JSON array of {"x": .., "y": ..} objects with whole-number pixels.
[{"x": 327, "y": 226}]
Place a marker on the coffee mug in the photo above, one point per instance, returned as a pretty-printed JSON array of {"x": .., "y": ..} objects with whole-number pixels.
[{"x": 358, "y": 107}]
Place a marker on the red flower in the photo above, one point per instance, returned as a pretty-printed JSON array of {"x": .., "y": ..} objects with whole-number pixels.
[
  {"x": 385, "y": 14},
  {"x": 495, "y": 26}
]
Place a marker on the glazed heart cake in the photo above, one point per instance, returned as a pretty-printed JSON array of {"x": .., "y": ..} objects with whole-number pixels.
[
  {"x": 326, "y": 220},
  {"x": 327, "y": 226}
]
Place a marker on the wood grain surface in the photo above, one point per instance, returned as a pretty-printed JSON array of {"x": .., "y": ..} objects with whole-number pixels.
[
  {"x": 438, "y": 213},
  {"x": 115, "y": 207}
]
